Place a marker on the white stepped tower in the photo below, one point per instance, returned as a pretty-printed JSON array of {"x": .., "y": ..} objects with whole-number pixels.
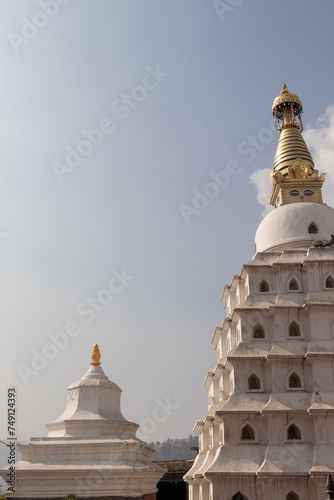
[{"x": 269, "y": 429}]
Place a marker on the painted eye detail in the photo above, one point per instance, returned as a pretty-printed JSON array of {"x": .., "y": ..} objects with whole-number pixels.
[
  {"x": 308, "y": 192},
  {"x": 294, "y": 192}
]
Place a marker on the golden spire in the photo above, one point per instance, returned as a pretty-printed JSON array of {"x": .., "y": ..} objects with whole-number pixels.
[
  {"x": 95, "y": 356},
  {"x": 287, "y": 109},
  {"x": 293, "y": 162}
]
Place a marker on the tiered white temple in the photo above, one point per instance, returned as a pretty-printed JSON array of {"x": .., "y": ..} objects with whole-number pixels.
[
  {"x": 91, "y": 450},
  {"x": 269, "y": 429}
]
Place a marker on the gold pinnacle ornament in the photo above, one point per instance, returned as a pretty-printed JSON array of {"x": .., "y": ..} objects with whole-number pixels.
[
  {"x": 290, "y": 105},
  {"x": 294, "y": 178},
  {"x": 95, "y": 356}
]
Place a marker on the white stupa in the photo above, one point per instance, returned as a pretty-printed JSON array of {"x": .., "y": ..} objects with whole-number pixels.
[
  {"x": 91, "y": 451},
  {"x": 269, "y": 429}
]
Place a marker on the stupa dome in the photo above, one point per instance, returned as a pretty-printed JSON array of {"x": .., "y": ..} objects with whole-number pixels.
[{"x": 295, "y": 225}]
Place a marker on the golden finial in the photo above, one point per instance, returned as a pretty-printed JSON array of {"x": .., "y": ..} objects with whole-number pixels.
[
  {"x": 96, "y": 356},
  {"x": 287, "y": 107},
  {"x": 284, "y": 89},
  {"x": 287, "y": 98}
]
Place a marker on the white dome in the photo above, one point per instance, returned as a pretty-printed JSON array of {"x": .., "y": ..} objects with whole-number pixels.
[{"x": 288, "y": 226}]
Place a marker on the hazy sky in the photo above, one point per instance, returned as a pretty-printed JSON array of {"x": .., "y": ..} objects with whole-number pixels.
[{"x": 117, "y": 117}]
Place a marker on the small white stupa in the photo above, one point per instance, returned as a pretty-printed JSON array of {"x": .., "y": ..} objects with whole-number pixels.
[{"x": 91, "y": 451}]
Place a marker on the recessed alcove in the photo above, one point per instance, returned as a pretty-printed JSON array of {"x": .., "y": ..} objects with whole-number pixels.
[
  {"x": 313, "y": 228},
  {"x": 294, "y": 381},
  {"x": 292, "y": 496},
  {"x": 294, "y": 329},
  {"x": 329, "y": 282},
  {"x": 293, "y": 433},
  {"x": 264, "y": 286},
  {"x": 294, "y": 285},
  {"x": 247, "y": 433},
  {"x": 258, "y": 331},
  {"x": 253, "y": 383},
  {"x": 239, "y": 496}
]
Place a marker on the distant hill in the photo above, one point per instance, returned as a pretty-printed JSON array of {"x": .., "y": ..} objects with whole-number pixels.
[{"x": 175, "y": 449}]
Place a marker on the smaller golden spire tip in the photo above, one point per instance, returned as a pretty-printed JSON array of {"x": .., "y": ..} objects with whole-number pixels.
[
  {"x": 96, "y": 355},
  {"x": 284, "y": 89}
]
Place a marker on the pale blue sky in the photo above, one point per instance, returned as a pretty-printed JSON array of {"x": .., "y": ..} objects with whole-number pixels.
[{"x": 120, "y": 208}]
